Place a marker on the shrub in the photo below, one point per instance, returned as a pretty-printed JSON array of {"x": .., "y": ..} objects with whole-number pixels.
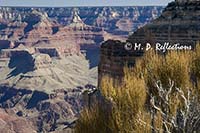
[
  {"x": 127, "y": 106},
  {"x": 174, "y": 66},
  {"x": 156, "y": 95}
]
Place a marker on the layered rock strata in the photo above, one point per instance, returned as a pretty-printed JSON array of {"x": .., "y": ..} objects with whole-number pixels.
[
  {"x": 45, "y": 90},
  {"x": 178, "y": 24}
]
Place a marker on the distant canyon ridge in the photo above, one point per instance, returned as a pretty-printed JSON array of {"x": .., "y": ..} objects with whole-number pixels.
[{"x": 71, "y": 29}]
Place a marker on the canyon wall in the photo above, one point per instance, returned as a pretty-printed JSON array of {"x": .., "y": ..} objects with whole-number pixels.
[
  {"x": 178, "y": 24},
  {"x": 110, "y": 18},
  {"x": 46, "y": 54},
  {"x": 71, "y": 30}
]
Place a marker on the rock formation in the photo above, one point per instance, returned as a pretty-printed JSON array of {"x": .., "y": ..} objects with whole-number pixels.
[
  {"x": 45, "y": 78},
  {"x": 12, "y": 124},
  {"x": 111, "y": 19},
  {"x": 114, "y": 57},
  {"x": 39, "y": 31},
  {"x": 175, "y": 25},
  {"x": 45, "y": 90},
  {"x": 64, "y": 31},
  {"x": 178, "y": 24},
  {"x": 92, "y": 16}
]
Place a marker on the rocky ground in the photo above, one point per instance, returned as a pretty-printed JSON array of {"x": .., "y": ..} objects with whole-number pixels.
[
  {"x": 11, "y": 123},
  {"x": 47, "y": 91}
]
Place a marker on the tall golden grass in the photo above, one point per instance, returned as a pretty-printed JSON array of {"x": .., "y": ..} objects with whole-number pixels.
[
  {"x": 127, "y": 104},
  {"x": 126, "y": 110}
]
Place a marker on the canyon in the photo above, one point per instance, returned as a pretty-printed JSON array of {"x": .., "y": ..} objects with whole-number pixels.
[
  {"x": 49, "y": 59},
  {"x": 86, "y": 27}
]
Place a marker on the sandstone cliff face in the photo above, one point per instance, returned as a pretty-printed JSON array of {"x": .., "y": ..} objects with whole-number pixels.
[{"x": 178, "y": 24}]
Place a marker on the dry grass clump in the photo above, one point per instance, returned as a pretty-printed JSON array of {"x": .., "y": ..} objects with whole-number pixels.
[
  {"x": 93, "y": 120},
  {"x": 195, "y": 70},
  {"x": 196, "y": 62},
  {"x": 195, "y": 66},
  {"x": 127, "y": 102},
  {"x": 127, "y": 108},
  {"x": 174, "y": 66}
]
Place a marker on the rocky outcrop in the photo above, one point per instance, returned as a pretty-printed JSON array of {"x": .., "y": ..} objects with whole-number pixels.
[
  {"x": 41, "y": 61},
  {"x": 114, "y": 57},
  {"x": 24, "y": 69},
  {"x": 175, "y": 25},
  {"x": 19, "y": 51},
  {"x": 12, "y": 124},
  {"x": 47, "y": 91},
  {"x": 39, "y": 111},
  {"x": 52, "y": 52},
  {"x": 178, "y": 24},
  {"x": 39, "y": 31}
]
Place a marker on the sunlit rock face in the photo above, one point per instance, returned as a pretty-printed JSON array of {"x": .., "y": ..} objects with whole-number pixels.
[
  {"x": 46, "y": 90},
  {"x": 113, "y": 20},
  {"x": 71, "y": 30},
  {"x": 45, "y": 77}
]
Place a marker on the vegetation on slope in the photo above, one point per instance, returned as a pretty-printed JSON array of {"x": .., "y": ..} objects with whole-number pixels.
[{"x": 160, "y": 94}]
